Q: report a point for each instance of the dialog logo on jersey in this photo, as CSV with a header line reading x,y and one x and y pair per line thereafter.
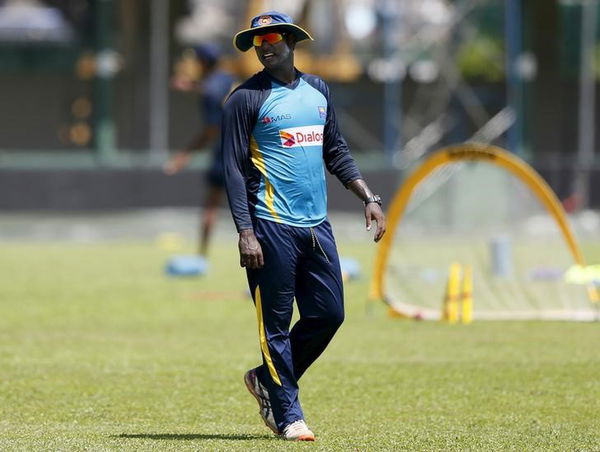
x,y
302,136
287,139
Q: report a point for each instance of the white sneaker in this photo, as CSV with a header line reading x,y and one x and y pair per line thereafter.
x,y
298,431
261,395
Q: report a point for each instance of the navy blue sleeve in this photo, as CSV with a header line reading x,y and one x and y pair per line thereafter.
x,y
239,117
336,154
211,110
215,91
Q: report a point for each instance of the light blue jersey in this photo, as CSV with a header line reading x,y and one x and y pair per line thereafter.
x,y
287,148
277,141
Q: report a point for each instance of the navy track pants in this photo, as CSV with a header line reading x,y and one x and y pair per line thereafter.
x,y
300,263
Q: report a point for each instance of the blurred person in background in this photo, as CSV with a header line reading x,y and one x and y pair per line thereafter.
x,y
212,88
279,134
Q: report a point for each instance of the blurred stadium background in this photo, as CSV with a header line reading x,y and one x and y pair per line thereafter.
x,y
101,350
88,117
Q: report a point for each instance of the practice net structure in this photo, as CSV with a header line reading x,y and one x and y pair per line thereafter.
x,y
475,224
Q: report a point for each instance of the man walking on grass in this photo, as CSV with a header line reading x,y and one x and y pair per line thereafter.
x,y
279,134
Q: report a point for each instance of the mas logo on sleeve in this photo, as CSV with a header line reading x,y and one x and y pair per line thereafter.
x,y
302,136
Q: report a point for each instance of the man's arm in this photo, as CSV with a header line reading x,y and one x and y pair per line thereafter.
x,y
339,162
373,210
211,104
200,142
238,120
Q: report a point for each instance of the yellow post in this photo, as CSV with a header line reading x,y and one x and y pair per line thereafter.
x,y
450,307
467,295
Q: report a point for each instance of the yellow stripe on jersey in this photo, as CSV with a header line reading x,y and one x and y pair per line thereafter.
x,y
263,338
259,162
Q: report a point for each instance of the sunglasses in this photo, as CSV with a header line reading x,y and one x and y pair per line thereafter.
x,y
271,38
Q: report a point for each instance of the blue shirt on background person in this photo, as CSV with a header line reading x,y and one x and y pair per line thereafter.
x,y
212,89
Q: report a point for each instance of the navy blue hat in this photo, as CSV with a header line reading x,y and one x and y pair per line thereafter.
x,y
263,23
208,52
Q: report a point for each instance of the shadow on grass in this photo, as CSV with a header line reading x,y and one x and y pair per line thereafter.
x,y
190,436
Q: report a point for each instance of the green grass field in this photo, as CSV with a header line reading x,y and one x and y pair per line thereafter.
x,y
99,350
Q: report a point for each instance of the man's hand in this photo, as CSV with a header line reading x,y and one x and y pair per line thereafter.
x,y
373,212
176,163
184,84
251,255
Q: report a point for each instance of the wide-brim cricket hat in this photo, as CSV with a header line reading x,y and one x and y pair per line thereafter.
x,y
271,20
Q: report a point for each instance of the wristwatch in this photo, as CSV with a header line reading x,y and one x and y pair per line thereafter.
x,y
374,198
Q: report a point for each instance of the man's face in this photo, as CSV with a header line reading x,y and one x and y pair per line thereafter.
x,y
274,55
